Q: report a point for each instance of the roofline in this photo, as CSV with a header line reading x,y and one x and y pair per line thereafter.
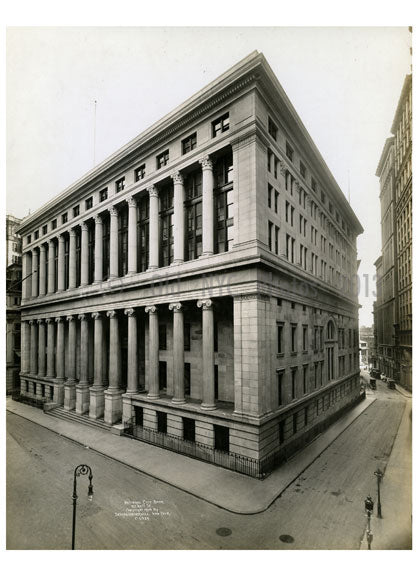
x,y
388,143
406,84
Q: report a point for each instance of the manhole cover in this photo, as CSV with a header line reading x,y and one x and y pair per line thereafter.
x,y
286,538
223,531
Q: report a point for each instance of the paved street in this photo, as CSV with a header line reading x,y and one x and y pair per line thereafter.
x,y
322,509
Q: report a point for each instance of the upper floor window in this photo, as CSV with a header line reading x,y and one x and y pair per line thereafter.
x,y
36,234
302,170
103,195
313,184
54,224
89,203
120,184
162,159
140,173
220,125
64,218
44,229
289,151
29,239
189,143
76,211
272,129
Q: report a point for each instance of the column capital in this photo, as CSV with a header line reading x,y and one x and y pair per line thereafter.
x,y
111,313
205,304
131,202
152,191
177,177
151,309
98,220
42,247
129,312
82,317
206,163
61,237
84,227
49,320
51,241
113,211
282,168
96,315
70,318
72,232
59,319
176,307
32,322
40,321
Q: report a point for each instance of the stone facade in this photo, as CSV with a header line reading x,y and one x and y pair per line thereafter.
x,y
13,298
197,286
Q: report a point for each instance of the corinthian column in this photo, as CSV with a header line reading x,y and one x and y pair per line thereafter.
x,y
153,228
153,348
207,205
113,394
42,270
82,387
98,250
96,408
51,267
132,237
50,369
33,347
132,352
84,276
179,194
208,400
178,352
41,348
69,389
113,265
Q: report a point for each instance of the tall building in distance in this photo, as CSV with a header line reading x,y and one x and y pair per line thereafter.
x,y
196,289
13,298
393,307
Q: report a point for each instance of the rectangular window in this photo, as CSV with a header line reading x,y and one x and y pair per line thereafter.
x,y
280,380
28,239
139,415
167,225
295,423
143,233
44,229
302,168
280,343
221,434
54,224
305,338
162,373
276,239
306,417
289,151
272,129
76,211
162,422
269,195
305,379
162,159
294,337
139,173
89,203
276,201
281,431
162,335
36,235
189,433
294,370
103,195
224,204
313,184
189,143
120,184
220,125
187,336
64,218
270,235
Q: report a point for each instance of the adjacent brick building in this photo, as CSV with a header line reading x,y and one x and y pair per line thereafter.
x,y
194,289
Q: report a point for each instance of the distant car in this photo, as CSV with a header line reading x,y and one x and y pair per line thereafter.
x,y
375,373
372,383
391,383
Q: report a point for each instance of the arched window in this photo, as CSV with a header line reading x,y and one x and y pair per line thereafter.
x,y
330,330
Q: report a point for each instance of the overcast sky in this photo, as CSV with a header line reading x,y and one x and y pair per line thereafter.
x,y
344,83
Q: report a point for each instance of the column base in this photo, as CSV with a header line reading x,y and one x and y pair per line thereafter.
x,y
152,268
96,408
112,406
131,273
178,401
153,396
177,262
59,393
204,254
69,396
82,400
204,406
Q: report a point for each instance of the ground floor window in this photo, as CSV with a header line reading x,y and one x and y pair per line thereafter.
x,y
162,375
139,415
162,422
221,438
189,429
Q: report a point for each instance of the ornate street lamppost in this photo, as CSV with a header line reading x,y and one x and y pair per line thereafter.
x,y
80,470
379,476
368,505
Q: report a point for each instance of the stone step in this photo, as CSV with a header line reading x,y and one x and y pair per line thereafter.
x,y
72,416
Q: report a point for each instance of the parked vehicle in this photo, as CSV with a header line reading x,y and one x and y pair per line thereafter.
x,y
375,373
372,383
391,383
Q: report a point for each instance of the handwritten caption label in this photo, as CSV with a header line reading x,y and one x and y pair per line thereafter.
x,y
143,510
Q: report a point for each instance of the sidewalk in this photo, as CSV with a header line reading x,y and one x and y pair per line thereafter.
x,y
394,530
224,488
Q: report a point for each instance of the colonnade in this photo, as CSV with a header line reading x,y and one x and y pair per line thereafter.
x,y
35,260
44,359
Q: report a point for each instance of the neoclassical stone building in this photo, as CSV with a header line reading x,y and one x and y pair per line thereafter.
x,y
194,289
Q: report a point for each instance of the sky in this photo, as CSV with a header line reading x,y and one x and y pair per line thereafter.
x,y
344,83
